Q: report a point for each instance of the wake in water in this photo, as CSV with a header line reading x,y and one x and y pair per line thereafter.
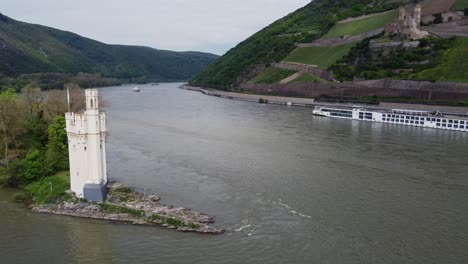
x,y
291,210
244,225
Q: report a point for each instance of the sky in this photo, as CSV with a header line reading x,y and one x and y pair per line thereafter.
x,y
212,26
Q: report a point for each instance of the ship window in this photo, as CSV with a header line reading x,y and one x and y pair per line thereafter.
x,y
450,121
444,121
455,126
449,125
406,121
462,122
438,120
438,124
444,125
412,122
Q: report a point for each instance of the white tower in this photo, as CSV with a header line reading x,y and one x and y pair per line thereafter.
x,y
87,150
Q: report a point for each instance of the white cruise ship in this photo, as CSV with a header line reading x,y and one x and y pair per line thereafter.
x,y
457,122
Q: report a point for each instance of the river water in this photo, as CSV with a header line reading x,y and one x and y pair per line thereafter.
x,y
287,186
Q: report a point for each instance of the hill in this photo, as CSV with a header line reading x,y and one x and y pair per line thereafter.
x,y
278,40
27,48
350,41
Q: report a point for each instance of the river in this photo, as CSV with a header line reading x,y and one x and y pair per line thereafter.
x,y
287,186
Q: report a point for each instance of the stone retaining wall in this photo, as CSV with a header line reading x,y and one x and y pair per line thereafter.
x,y
324,42
380,88
351,19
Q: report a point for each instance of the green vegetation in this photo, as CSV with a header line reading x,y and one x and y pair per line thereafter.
x,y
28,48
399,63
271,75
19,197
34,141
306,78
323,57
174,222
452,64
362,25
48,190
116,209
460,5
276,41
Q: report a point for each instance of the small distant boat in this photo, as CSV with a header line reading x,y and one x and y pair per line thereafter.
x,y
154,83
136,90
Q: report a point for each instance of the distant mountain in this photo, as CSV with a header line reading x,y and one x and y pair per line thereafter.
x,y
27,48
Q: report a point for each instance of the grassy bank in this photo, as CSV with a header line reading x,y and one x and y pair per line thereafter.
x,y
361,26
323,57
45,190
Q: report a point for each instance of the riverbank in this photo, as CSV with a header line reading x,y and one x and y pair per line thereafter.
x,y
126,205
310,102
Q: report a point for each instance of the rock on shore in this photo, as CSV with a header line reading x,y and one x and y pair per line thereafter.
x,y
127,205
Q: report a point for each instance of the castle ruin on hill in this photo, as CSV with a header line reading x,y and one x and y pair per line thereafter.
x,y
408,24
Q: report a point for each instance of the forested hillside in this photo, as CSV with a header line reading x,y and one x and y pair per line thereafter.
x,y
27,48
278,40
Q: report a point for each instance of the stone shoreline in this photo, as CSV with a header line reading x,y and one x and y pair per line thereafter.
x,y
126,205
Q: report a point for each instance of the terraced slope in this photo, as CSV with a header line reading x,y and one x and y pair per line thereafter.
x,y
361,25
271,75
323,57
306,78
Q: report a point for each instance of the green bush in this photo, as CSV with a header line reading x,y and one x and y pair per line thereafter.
x,y
19,197
30,169
174,222
438,19
48,190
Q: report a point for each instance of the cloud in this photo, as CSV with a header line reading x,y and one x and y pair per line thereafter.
x,y
205,25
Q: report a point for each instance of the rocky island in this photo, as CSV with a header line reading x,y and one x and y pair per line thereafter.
x,y
126,205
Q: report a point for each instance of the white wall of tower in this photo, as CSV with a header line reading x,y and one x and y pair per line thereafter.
x,y
87,144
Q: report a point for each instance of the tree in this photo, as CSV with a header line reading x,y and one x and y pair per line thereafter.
x,y
57,146
29,169
438,19
10,121
56,102
32,97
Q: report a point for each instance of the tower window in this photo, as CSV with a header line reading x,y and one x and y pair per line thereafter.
x,y
91,102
